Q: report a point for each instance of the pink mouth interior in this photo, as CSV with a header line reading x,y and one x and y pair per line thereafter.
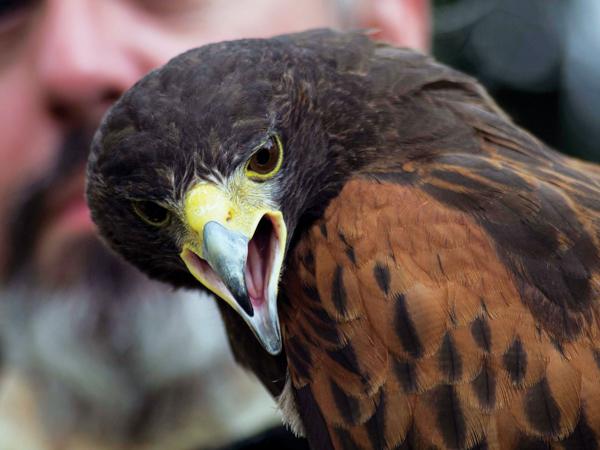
x,y
204,268
261,253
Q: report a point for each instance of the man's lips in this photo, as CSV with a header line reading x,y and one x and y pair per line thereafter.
x,y
75,215
66,208
64,220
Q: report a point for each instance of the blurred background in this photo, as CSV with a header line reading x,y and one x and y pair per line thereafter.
x,y
92,354
540,59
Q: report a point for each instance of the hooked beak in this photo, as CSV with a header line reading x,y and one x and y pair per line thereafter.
x,y
237,253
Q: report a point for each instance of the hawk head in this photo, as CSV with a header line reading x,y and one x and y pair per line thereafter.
x,y
206,169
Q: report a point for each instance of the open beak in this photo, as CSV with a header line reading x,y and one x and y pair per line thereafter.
x,y
237,252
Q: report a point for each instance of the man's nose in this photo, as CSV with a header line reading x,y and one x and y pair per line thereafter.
x,y
84,65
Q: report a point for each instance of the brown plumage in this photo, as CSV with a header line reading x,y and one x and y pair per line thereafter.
x,y
442,280
421,337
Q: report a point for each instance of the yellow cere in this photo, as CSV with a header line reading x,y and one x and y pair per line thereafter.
x,y
240,210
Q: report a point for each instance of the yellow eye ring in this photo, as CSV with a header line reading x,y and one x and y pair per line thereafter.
x,y
151,213
266,161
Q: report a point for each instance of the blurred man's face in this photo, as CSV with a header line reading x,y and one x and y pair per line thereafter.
x,y
63,62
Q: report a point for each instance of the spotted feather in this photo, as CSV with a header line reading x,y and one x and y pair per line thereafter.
x,y
443,344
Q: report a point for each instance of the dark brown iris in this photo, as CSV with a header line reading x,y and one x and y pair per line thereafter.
x,y
265,159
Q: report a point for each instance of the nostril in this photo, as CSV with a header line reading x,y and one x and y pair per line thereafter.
x,y
82,110
111,95
59,110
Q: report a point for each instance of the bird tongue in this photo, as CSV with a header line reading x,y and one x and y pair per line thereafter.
x,y
258,263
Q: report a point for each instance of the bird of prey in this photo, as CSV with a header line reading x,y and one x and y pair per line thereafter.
x,y
417,270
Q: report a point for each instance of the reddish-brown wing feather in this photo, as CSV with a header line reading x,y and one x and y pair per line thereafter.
x,y
405,327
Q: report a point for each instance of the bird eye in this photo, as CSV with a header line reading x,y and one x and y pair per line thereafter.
x,y
266,160
151,213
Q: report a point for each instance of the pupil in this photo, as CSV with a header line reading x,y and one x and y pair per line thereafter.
x,y
154,212
262,157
